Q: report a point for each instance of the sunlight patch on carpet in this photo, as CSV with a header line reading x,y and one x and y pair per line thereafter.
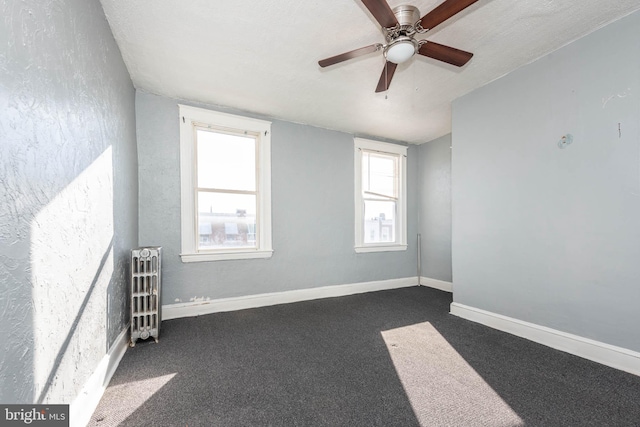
x,y
440,384
135,393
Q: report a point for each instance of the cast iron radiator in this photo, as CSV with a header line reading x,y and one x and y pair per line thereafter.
x,y
146,306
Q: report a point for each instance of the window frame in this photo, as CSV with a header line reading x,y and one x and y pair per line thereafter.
x,y
384,148
192,118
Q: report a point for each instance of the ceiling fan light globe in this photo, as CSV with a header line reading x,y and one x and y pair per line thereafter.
x,y
400,51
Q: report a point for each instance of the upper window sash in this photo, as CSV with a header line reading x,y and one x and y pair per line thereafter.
x,y
368,175
231,132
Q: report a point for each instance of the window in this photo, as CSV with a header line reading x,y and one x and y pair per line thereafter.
x,y
380,196
225,168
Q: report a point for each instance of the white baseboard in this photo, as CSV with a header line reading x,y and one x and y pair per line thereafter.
x,y
436,284
86,402
197,308
606,354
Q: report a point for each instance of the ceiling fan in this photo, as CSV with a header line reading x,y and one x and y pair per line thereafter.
x,y
400,26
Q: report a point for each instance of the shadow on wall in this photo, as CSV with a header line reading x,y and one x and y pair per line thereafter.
x,y
67,168
44,354
58,277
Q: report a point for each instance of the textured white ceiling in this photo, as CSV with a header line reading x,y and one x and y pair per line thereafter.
x,y
262,56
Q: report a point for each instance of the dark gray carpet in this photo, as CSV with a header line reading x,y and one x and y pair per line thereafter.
x,y
390,358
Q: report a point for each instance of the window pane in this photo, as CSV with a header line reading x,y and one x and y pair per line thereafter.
x,y
226,162
226,220
379,174
379,221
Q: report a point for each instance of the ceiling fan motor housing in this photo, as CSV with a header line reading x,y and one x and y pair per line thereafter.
x,y
401,45
406,15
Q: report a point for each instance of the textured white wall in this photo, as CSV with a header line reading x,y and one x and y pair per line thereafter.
x,y
549,235
68,196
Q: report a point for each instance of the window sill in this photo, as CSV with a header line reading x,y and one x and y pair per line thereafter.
x,y
380,248
226,256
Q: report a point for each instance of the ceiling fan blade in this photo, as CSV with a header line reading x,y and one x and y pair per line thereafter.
x,y
443,12
444,53
381,10
387,75
349,55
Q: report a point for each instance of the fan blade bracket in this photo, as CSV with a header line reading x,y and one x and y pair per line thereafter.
x,y
419,29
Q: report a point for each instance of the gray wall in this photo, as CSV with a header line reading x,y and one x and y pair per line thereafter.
x,y
312,210
68,202
550,235
434,160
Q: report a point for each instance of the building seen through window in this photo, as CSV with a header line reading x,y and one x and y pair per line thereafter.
x,y
227,190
